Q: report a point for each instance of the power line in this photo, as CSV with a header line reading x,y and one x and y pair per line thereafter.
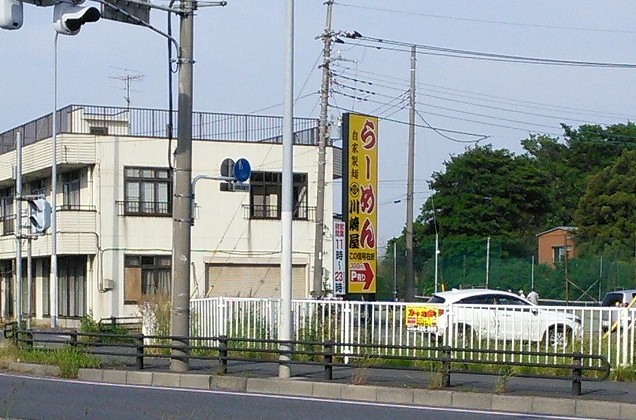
x,y
400,83
478,55
496,22
420,125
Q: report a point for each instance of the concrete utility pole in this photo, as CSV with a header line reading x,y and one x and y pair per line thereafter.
x,y
410,276
285,310
182,197
488,262
565,267
322,152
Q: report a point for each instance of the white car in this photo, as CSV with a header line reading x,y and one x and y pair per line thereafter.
x,y
497,315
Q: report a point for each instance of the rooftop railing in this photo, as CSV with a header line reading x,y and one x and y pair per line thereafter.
x,y
155,123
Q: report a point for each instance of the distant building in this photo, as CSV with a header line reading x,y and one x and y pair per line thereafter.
x,y
114,209
555,244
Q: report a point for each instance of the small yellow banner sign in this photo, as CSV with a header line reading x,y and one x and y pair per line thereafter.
x,y
422,318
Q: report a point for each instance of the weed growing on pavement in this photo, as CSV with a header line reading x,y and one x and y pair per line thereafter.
x,y
506,372
68,359
623,374
361,374
436,380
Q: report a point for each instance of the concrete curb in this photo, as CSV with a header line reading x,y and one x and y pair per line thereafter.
x,y
337,391
35,369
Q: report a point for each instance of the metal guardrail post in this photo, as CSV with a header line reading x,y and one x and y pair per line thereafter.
x,y
577,371
139,351
223,353
29,340
328,355
446,366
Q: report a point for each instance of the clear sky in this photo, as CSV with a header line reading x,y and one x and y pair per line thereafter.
x,y
239,68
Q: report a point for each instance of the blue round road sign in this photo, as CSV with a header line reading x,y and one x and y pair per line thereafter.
x,y
242,170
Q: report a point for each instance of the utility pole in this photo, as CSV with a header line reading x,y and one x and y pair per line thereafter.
x,y
395,293
565,267
488,262
182,197
322,152
410,277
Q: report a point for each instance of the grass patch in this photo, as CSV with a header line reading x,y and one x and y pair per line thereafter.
x,y
624,374
70,360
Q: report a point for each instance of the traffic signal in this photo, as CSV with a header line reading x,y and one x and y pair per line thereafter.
x,y
11,14
40,215
68,17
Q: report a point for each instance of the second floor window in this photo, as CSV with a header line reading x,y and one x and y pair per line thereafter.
x,y
38,188
71,184
266,195
6,211
147,191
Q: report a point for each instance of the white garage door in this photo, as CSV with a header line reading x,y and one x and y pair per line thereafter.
x,y
251,280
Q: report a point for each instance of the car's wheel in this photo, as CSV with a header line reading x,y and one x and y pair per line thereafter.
x,y
558,336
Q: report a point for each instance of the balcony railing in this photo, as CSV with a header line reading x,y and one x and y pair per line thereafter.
x,y
144,122
144,208
77,207
272,212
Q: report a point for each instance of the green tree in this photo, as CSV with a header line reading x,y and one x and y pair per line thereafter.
x,y
605,216
485,192
568,164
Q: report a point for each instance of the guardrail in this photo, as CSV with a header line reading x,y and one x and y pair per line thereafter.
x,y
328,354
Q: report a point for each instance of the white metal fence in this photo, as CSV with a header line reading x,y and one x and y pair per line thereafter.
x,y
506,328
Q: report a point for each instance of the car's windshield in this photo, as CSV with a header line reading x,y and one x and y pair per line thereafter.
x,y
613,299
436,299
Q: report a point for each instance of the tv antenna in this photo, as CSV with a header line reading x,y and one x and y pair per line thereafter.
x,y
128,80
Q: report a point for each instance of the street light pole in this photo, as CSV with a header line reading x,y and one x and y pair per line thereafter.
x,y
18,228
54,280
182,197
285,315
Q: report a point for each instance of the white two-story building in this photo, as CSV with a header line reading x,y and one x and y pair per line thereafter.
x,y
114,207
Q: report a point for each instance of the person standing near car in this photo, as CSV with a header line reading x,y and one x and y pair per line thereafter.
x,y
533,297
521,294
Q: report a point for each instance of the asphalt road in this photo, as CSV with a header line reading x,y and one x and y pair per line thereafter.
x,y
25,397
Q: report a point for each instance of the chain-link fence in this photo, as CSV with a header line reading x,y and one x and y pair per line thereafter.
x,y
504,264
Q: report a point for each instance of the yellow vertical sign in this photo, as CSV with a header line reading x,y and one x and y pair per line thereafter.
x,y
361,206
